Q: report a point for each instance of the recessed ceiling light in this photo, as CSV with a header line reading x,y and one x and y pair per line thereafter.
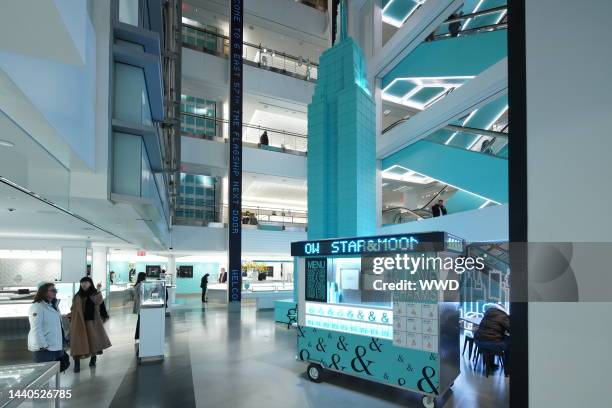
x,y
387,111
6,143
12,198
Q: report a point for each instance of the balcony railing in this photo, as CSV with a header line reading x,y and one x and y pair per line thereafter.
x,y
264,218
279,140
256,55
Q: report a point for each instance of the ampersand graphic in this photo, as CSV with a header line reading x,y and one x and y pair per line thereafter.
x,y
372,317
304,354
401,382
385,318
320,345
364,366
433,357
386,376
427,379
360,315
341,343
335,359
291,316
300,331
400,358
375,344
409,368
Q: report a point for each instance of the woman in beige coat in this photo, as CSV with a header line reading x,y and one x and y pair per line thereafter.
x,y
87,315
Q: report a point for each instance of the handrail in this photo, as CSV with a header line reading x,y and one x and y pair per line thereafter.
x,y
490,27
225,37
247,125
476,14
423,208
255,55
456,128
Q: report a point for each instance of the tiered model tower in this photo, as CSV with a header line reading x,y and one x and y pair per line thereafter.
x,y
341,145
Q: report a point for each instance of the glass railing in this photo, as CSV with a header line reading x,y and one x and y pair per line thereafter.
x,y
278,140
263,218
257,55
471,23
491,142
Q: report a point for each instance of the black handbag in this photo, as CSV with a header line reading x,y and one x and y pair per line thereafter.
x,y
64,361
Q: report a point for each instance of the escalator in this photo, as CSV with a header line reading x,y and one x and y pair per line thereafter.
x,y
469,155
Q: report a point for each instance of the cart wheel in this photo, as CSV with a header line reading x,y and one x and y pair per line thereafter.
x,y
314,372
429,401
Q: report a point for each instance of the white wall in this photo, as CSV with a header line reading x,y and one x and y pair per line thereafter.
x,y
199,239
568,146
213,71
487,224
199,154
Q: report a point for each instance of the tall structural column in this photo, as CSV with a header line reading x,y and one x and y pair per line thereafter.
x,y
341,143
234,191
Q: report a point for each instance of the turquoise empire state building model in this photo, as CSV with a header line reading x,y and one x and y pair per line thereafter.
x,y
341,145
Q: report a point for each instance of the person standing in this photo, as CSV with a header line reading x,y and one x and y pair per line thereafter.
x,y
263,139
87,316
204,286
45,338
438,209
136,309
222,276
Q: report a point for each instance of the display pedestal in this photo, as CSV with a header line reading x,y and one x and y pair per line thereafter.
x,y
171,298
152,332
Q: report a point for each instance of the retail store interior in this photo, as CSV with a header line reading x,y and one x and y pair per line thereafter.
x,y
202,222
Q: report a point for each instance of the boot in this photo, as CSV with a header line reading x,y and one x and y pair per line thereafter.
x,y
77,365
92,361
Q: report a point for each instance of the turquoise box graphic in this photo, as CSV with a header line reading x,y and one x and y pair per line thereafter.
x,y
371,358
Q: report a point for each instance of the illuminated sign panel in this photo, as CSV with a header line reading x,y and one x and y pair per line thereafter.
x,y
422,242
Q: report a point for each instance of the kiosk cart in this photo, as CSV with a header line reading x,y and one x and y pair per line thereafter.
x,y
404,338
152,319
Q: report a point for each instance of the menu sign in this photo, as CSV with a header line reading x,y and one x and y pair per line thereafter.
x,y
316,280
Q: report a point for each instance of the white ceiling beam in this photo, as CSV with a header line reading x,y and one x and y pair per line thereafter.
x,y
425,20
488,86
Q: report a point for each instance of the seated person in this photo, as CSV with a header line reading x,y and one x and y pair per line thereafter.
x,y
493,331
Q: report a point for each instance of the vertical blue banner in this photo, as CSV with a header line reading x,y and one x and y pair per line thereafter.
x,y
234,277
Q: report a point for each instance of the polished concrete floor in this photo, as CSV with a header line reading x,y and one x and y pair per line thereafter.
x,y
216,359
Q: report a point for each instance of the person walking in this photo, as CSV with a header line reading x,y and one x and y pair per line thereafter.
x,y
45,338
136,309
204,286
87,317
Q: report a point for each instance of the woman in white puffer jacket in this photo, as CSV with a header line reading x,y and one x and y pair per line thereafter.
x,y
45,339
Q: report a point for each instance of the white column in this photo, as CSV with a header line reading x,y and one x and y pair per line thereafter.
x,y
99,266
171,267
74,263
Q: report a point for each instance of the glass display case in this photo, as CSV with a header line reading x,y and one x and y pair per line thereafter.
x,y
21,383
152,293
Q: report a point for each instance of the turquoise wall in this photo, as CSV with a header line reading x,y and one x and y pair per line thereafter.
x,y
186,286
183,285
462,56
463,201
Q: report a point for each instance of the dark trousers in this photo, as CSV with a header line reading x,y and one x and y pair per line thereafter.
x,y
43,356
137,335
502,346
203,294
